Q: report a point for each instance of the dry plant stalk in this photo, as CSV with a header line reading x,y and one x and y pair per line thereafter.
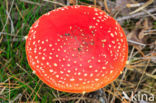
x,y
143,6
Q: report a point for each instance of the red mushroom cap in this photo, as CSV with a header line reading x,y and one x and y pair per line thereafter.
x,y
76,49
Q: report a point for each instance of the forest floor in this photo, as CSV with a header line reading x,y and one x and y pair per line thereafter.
x,y
18,84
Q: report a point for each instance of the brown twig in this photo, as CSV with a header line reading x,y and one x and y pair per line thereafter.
x,y
143,6
55,2
31,2
106,6
140,14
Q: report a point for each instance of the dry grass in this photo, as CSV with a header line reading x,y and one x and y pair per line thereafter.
x,y
19,84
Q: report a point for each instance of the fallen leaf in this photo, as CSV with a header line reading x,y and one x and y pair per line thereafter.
x,y
72,2
138,34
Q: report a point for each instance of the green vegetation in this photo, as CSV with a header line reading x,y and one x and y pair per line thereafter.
x,y
19,84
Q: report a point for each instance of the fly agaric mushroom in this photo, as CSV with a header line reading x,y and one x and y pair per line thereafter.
x,y
76,49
